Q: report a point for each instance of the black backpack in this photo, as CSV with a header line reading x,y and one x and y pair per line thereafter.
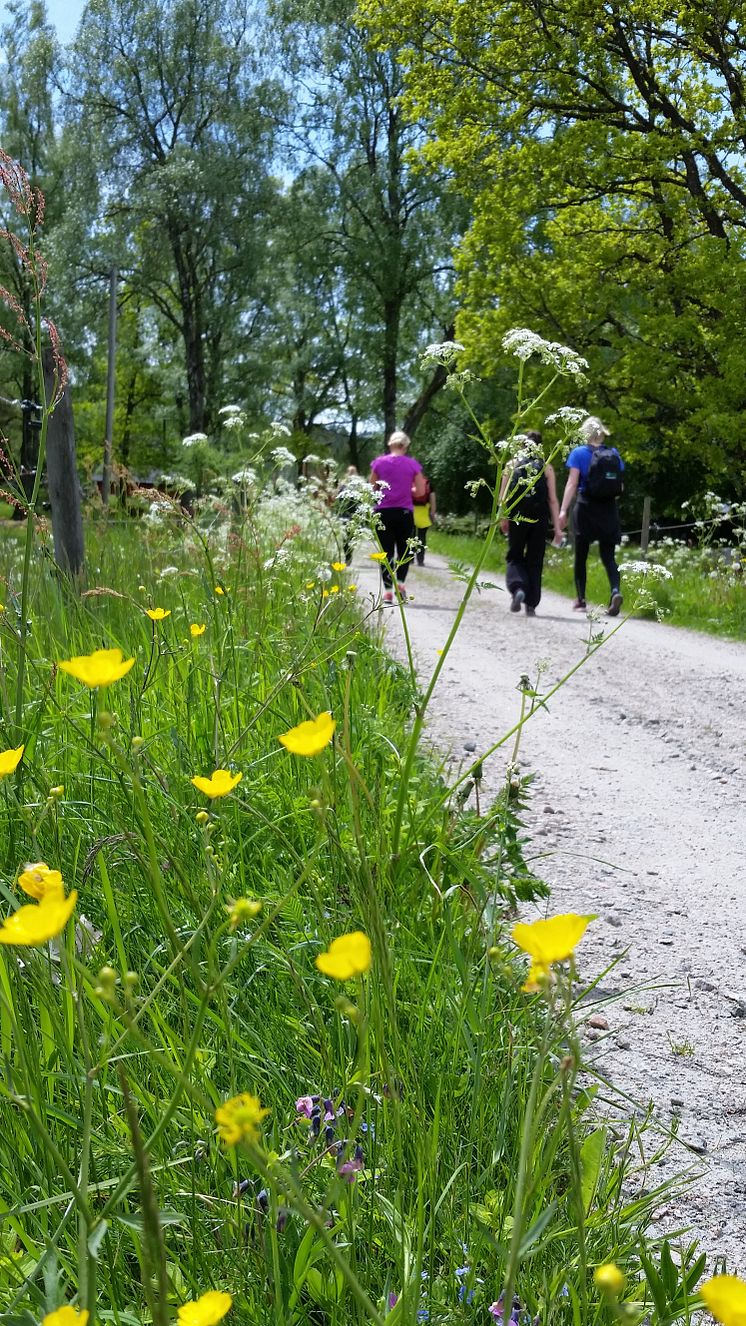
x,y
529,475
604,478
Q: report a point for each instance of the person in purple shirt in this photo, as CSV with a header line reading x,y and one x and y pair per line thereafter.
x,y
404,480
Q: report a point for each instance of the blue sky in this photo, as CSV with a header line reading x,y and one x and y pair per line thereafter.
x,y
65,14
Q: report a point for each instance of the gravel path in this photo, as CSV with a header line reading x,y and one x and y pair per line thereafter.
x,y
638,814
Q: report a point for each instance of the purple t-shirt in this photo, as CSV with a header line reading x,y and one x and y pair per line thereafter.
x,y
398,472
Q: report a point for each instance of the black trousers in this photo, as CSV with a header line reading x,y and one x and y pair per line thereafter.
x,y
395,530
421,536
596,521
527,541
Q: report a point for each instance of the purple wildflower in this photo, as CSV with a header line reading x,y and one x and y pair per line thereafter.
x,y
304,1106
393,1299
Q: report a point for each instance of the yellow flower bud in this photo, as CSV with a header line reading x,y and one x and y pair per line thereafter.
x,y
202,816
609,1279
137,742
58,791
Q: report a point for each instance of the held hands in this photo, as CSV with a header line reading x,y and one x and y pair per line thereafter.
x,y
562,521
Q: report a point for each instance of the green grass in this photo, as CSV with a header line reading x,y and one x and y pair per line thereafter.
x,y
118,1044
703,594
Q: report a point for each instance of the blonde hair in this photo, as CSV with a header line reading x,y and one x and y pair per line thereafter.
x,y
399,439
593,430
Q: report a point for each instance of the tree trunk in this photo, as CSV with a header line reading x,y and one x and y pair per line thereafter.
x,y
353,445
62,479
419,408
391,317
191,328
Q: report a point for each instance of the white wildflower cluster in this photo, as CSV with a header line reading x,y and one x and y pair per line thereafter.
x,y
322,573
194,440
167,572
311,459
247,477
280,558
282,456
474,485
461,379
443,352
179,482
279,430
524,343
567,416
235,421
648,570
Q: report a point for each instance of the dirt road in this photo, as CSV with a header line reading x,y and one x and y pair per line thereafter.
x,y
638,814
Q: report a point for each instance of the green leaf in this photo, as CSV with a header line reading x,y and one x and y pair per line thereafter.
x,y
591,1155
96,1237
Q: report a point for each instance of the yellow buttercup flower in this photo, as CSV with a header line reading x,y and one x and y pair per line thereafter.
x,y
377,557
243,910
100,668
310,584
351,589
549,941
219,591
66,1316
219,784
325,593
10,760
334,589
348,956
239,1119
39,882
339,566
311,737
725,1297
609,1279
195,630
157,614
205,1311
36,925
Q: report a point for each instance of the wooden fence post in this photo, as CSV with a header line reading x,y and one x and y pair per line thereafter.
x,y
62,479
645,532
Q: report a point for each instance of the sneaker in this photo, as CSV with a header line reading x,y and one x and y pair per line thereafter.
x,y
388,597
530,612
402,593
517,601
579,605
615,604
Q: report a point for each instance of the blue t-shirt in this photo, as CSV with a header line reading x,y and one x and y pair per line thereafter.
x,y
580,459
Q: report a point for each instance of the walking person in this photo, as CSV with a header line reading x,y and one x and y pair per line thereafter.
x,y
531,513
424,516
596,477
402,476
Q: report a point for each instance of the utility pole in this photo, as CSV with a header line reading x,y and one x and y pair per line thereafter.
x,y
110,383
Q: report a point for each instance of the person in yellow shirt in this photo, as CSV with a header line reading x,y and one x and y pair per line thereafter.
x,y
424,515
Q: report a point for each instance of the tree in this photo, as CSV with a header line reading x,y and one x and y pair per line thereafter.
x,y
388,227
601,150
31,56
168,103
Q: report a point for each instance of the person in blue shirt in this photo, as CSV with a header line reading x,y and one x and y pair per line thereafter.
x,y
595,476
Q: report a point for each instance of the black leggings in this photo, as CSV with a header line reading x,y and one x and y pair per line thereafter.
x,y
596,521
395,530
421,536
527,541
